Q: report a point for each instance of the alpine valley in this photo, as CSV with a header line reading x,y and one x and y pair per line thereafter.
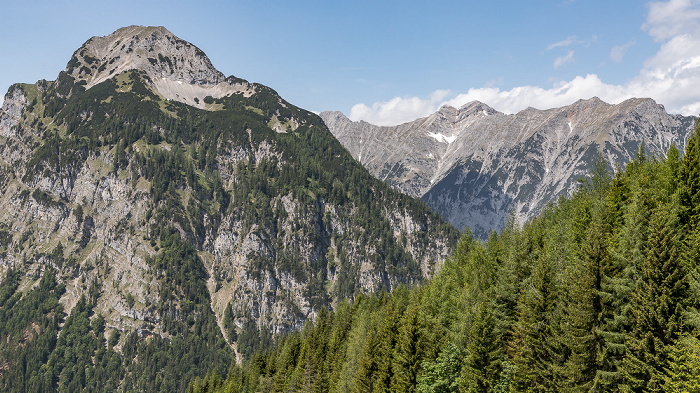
x,y
160,220
477,166
166,228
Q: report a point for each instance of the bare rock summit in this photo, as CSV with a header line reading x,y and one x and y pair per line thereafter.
x,y
177,69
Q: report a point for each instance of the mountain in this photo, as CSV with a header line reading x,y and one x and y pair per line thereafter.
x,y
476,166
159,219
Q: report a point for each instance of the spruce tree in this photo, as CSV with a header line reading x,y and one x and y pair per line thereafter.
x,y
386,341
482,364
407,353
628,205
531,346
689,188
587,305
657,311
368,365
582,310
511,270
683,372
442,374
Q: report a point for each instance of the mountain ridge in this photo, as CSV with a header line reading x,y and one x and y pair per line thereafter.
x,y
440,154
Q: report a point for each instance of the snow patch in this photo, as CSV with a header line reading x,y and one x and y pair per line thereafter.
x,y
571,127
484,112
442,138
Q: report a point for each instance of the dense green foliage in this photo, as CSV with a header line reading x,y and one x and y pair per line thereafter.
x,y
599,293
39,357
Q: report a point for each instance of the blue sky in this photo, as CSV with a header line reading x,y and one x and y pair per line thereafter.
x,y
392,61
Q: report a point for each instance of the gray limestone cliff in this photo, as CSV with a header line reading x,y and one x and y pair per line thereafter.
x,y
476,166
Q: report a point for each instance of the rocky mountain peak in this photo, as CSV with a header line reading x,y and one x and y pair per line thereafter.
x,y
447,110
475,107
591,101
178,70
470,111
154,50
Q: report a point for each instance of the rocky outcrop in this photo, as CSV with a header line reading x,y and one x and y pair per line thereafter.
x,y
154,50
177,69
476,166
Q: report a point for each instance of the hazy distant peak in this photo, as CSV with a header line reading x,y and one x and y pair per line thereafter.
x,y
477,107
476,166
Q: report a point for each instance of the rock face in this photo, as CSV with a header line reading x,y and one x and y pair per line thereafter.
x,y
475,165
178,70
154,50
277,237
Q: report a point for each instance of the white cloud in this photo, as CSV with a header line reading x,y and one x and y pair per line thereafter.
x,y
618,52
519,98
397,110
675,17
560,61
567,42
671,77
572,40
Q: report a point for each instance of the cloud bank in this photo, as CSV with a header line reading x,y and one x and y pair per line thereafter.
x,y
671,76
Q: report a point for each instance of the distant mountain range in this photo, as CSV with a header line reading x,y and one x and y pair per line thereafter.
x,y
476,166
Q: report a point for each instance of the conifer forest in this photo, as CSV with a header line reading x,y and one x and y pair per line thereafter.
x,y
598,294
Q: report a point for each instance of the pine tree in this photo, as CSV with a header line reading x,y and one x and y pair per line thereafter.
x,y
482,369
582,310
315,377
337,348
287,358
657,308
386,341
689,188
531,346
683,372
229,324
368,365
671,170
442,374
407,353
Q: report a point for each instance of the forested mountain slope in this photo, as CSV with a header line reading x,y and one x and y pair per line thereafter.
x,y
158,218
598,293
